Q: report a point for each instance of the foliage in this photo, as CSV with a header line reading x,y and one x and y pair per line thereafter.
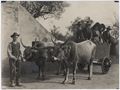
x,y
116,24
57,34
78,25
45,9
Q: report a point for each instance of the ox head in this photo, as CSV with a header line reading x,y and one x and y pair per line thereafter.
x,y
60,48
27,53
57,47
64,52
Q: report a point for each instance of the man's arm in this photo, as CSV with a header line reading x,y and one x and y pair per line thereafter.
x,y
20,50
20,58
9,52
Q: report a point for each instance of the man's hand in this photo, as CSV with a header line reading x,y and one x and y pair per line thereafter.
x,y
21,59
14,58
55,58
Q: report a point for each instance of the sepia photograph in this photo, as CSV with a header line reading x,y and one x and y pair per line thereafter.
x,y
60,44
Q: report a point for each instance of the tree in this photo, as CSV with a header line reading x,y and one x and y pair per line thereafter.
x,y
57,34
45,9
79,28
116,23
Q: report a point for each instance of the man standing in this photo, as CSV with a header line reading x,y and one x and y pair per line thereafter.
x,y
15,57
114,44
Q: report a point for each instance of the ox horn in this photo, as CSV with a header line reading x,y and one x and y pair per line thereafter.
x,y
53,41
65,42
22,43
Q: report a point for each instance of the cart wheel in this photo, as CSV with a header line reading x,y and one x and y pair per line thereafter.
x,y
106,64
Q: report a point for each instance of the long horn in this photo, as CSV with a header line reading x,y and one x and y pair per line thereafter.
x,y
22,43
53,41
65,42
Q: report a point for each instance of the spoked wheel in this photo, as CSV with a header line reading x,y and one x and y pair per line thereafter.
x,y
106,64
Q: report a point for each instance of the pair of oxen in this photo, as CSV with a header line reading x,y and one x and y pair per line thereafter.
x,y
68,52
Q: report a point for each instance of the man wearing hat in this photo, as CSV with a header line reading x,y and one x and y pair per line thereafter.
x,y
14,54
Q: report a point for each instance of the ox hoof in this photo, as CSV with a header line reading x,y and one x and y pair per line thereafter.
x,y
64,82
57,73
63,75
38,78
43,78
73,82
89,78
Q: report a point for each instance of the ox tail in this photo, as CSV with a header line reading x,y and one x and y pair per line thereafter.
x,y
91,35
93,53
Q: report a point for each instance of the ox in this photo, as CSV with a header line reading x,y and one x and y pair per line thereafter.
x,y
57,47
37,54
74,53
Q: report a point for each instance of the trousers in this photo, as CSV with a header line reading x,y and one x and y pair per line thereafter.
x,y
14,71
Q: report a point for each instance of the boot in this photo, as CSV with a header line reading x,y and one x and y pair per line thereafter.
x,y
12,84
18,84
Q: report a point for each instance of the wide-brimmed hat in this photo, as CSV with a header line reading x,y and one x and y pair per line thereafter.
x,y
114,28
109,28
15,34
87,18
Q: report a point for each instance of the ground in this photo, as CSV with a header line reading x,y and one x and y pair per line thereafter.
x,y
99,80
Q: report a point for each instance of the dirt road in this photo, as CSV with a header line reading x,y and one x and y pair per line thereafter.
x,y
109,80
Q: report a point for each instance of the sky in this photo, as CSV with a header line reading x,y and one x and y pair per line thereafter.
x,y
98,11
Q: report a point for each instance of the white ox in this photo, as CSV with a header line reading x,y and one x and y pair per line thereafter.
x,y
74,53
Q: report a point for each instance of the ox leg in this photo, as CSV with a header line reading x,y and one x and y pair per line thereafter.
x,y
63,69
43,70
74,72
66,74
59,68
90,70
38,77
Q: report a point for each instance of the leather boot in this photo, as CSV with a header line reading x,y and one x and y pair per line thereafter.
x,y
18,83
12,84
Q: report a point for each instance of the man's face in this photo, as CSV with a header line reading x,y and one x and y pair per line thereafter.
x,y
15,38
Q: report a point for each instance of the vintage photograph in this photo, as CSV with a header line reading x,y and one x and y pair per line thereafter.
x,y
60,44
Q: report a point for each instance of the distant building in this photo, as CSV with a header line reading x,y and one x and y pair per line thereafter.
x,y
17,18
